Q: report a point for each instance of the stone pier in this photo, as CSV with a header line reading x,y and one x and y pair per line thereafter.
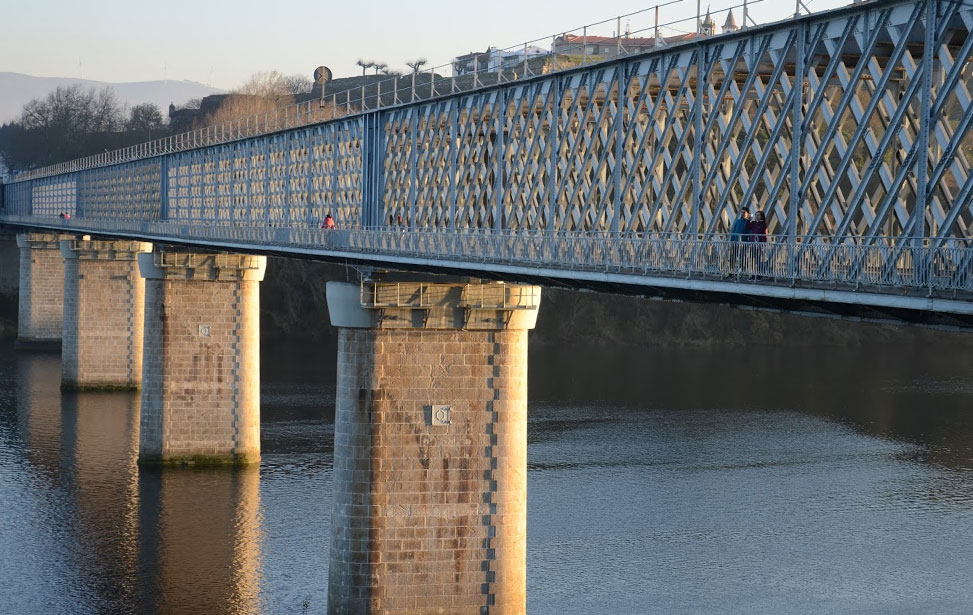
x,y
104,303
41,303
430,456
201,359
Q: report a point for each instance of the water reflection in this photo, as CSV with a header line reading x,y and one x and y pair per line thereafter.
x,y
200,540
661,480
39,407
99,448
82,521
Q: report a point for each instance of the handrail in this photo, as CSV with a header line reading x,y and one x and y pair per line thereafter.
x,y
890,265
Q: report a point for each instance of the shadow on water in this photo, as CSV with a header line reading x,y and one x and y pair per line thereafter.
x,y
917,395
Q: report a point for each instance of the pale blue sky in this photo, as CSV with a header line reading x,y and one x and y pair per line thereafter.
x,y
222,42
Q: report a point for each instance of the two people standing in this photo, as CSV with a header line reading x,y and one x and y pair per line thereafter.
x,y
745,230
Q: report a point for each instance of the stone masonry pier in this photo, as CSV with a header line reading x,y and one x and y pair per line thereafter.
x,y
104,303
41,303
201,361
430,457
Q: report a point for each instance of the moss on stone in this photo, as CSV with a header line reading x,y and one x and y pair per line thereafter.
x,y
95,387
199,460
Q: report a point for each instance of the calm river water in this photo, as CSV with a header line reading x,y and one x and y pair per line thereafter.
x,y
660,481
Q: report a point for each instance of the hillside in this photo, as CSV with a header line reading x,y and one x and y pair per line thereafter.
x,y
17,89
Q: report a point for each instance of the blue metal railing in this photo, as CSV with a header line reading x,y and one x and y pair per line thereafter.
x,y
884,264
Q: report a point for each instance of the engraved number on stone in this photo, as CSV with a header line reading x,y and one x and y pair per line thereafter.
x,y
203,330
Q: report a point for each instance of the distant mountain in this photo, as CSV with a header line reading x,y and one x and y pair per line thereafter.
x,y
17,89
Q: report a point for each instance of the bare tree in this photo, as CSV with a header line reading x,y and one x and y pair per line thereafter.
x,y
262,93
417,64
74,109
68,123
298,84
379,66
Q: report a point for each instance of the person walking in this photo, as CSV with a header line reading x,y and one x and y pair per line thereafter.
x,y
328,223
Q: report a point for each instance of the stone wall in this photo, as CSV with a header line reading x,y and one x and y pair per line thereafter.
x,y
430,517
41,304
201,366
104,303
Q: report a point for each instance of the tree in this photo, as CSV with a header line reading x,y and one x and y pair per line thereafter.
x,y
144,118
264,94
70,122
417,64
365,65
298,84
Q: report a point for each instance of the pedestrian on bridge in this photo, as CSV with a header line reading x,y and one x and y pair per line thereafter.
x,y
758,228
738,234
328,223
757,231
740,225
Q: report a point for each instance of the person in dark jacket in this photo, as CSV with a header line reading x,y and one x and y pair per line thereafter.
x,y
758,235
739,228
738,233
758,228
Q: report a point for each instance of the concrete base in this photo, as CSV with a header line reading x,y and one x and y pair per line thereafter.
x,y
201,359
104,304
430,457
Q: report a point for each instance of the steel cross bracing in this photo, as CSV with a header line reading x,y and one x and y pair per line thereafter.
x,y
850,129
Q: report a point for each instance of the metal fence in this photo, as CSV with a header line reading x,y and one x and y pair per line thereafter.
x,y
882,264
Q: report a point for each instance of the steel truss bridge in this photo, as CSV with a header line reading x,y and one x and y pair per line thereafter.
x,y
850,128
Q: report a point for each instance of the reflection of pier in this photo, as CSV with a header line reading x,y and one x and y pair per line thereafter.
x,y
39,407
199,540
170,542
85,445
99,441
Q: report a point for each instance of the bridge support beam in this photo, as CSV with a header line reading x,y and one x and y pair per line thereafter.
x,y
201,359
41,302
430,457
104,303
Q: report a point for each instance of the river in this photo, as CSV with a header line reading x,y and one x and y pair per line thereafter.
x,y
660,480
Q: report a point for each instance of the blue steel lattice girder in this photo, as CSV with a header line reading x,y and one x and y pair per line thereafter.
x,y
641,144
863,117
951,177
744,117
527,124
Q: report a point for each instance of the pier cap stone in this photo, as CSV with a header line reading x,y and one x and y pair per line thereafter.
x,y
202,267
41,241
476,305
88,249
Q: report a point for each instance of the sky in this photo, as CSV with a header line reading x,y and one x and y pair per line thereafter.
x,y
222,42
